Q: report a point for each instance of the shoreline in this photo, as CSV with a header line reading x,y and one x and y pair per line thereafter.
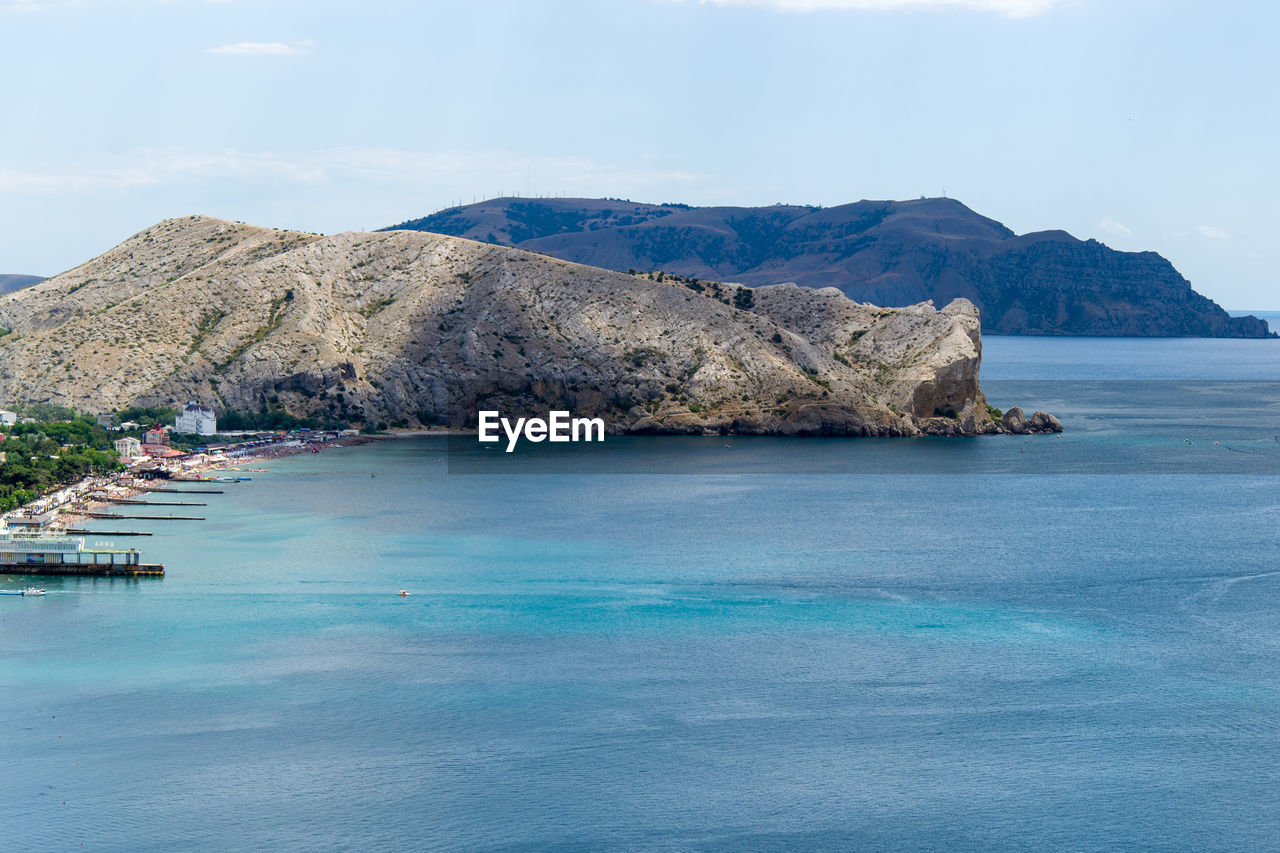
x,y
70,505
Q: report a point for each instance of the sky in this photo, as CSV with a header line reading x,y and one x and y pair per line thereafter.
x,y
1146,124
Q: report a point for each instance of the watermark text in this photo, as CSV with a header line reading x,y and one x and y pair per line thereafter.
x,y
559,426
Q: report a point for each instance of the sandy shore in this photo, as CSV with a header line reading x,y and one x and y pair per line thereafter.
x,y
85,495
69,504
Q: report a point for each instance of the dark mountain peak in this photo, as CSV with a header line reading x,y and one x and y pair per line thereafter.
x,y
885,252
944,217
511,221
1052,235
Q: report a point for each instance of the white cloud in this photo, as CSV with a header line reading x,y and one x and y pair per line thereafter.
x,y
154,168
1213,232
1115,229
45,4
1012,8
510,168
264,48
480,171
89,179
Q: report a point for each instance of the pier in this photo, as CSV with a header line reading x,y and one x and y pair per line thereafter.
x,y
75,531
117,517
189,491
133,502
95,570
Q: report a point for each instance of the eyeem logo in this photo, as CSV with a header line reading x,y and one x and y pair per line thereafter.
x,y
559,426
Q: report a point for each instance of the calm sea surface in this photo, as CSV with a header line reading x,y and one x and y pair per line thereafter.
x,y
1060,643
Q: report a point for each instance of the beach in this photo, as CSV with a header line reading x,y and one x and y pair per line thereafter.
x,y
68,505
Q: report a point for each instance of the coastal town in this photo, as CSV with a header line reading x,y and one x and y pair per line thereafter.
x,y
45,533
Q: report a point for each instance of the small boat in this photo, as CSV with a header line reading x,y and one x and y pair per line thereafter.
x,y
404,593
33,590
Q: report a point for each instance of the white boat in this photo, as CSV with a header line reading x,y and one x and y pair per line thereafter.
x,y
33,590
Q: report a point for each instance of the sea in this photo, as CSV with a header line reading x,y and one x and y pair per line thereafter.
x,y
723,644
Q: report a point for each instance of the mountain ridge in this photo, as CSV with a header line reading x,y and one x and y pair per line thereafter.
x,y
891,253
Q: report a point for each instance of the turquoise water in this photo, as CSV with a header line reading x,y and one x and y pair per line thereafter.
x,y
1080,655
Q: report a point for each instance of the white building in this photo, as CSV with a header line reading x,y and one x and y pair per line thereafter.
x,y
7,417
129,448
195,419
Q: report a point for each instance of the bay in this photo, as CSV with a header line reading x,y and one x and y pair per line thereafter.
x,y
964,657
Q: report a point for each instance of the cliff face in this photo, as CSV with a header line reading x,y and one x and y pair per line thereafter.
x,y
416,328
884,252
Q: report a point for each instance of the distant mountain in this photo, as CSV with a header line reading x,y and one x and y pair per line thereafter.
x,y
10,283
891,253
416,329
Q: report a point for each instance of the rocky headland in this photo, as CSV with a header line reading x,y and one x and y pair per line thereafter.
x,y
411,329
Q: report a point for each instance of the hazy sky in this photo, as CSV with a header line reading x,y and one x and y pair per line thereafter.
x,y
1148,124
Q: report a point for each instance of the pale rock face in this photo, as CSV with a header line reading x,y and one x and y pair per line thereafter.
x,y
1015,420
1044,422
416,328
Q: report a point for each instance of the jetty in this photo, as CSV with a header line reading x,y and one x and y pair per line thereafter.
x,y
189,491
75,531
118,517
43,552
94,570
135,502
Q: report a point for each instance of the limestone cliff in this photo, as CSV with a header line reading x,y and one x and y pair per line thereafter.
x,y
416,328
